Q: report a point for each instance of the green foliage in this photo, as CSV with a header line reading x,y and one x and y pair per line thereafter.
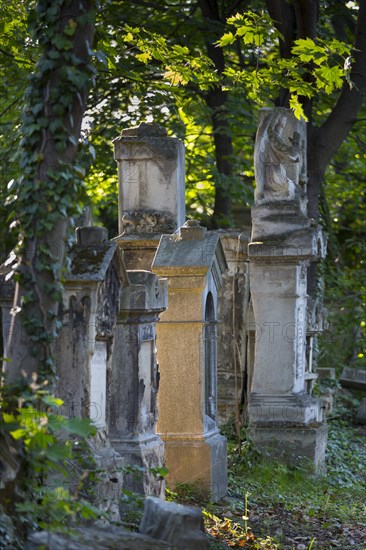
x,y
336,496
179,65
17,58
344,270
326,61
50,445
260,485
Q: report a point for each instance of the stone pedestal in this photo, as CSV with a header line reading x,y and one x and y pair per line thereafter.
x,y
151,194
193,262
285,419
280,402
135,380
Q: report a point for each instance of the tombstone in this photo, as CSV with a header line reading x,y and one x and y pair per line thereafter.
x,y
361,412
193,262
232,343
134,381
285,419
174,523
353,378
89,316
326,373
151,196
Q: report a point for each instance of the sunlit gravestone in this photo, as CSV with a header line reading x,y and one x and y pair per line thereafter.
x,y
285,419
193,262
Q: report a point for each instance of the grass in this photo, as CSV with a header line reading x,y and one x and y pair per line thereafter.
x,y
270,504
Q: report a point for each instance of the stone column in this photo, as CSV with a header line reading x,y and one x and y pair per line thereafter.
x,y
233,304
193,262
151,196
284,418
135,380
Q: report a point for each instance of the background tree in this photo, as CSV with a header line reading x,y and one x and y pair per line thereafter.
x,y
135,84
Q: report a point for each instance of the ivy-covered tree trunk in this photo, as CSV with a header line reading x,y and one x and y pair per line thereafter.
x,y
43,197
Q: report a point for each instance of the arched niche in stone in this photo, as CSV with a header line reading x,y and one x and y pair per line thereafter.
x,y
210,363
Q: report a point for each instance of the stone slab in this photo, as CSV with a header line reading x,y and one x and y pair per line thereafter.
x,y
272,410
353,378
293,444
174,523
176,255
89,262
87,538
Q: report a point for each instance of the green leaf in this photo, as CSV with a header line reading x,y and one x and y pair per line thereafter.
x,y
58,452
80,426
297,108
62,42
226,39
52,401
144,57
19,434
329,78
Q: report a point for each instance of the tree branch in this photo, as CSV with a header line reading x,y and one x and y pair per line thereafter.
x,y
283,15
343,117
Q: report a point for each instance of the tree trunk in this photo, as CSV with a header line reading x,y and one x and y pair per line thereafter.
x,y
31,347
216,100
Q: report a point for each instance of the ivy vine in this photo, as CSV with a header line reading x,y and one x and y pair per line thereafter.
x,y
44,195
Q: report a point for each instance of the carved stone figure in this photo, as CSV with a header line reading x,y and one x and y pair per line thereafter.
x,y
147,221
279,155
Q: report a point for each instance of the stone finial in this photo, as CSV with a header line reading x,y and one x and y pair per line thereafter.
x,y
85,218
192,231
91,236
145,129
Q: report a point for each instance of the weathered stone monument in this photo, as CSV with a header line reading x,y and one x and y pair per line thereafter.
x,y
152,202
134,381
107,367
193,262
234,365
89,316
284,418
151,197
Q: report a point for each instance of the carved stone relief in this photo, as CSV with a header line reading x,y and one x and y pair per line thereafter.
x,y
279,156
